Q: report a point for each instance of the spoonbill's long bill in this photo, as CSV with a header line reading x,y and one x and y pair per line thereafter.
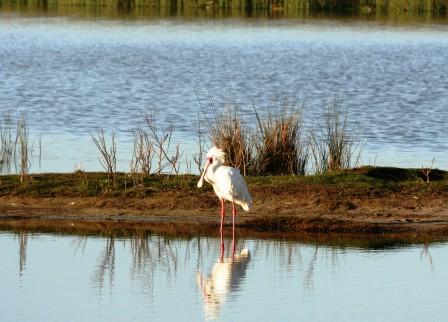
x,y
228,184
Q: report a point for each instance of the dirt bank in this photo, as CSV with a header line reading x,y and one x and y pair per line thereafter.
x,y
360,201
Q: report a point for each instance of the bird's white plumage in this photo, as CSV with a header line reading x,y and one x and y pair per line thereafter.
x,y
230,185
227,182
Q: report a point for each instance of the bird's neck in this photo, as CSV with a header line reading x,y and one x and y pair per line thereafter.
x,y
211,172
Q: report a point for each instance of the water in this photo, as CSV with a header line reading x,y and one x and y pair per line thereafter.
x,y
72,76
54,277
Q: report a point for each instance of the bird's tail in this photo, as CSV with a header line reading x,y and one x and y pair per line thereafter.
x,y
246,206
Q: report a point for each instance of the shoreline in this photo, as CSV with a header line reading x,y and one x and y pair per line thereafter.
x,y
128,229
366,201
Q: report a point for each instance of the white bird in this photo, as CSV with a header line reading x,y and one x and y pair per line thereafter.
x,y
227,183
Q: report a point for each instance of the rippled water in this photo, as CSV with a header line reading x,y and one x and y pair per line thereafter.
x,y
73,76
53,277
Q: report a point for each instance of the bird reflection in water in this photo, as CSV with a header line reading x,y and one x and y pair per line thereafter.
x,y
225,277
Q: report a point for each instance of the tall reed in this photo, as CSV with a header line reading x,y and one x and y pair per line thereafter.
x,y
279,146
7,145
24,150
198,157
142,157
336,144
108,153
16,150
229,132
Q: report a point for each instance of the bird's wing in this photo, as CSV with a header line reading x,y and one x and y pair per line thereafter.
x,y
238,186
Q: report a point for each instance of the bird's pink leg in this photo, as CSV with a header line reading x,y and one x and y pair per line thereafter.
x,y
221,229
233,229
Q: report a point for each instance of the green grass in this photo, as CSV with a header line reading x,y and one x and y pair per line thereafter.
x,y
370,180
92,184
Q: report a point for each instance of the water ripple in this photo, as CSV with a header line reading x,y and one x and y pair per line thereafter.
x,y
71,77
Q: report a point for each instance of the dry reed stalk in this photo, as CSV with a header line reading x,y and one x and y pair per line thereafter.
x,y
143,154
108,158
188,165
198,157
40,152
426,171
22,143
162,142
8,145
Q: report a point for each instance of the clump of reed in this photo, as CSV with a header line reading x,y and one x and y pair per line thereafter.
x,y
143,154
229,132
335,144
278,144
274,143
279,147
8,144
15,147
274,146
153,152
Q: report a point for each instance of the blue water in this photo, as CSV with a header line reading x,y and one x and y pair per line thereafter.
x,y
53,277
72,76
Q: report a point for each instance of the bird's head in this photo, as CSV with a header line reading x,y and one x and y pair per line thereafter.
x,y
214,156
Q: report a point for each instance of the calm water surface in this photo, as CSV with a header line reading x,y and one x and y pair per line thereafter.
x,y
73,76
53,277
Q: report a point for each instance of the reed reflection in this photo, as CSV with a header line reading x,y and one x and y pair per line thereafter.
x,y
225,277
426,254
148,255
23,242
106,264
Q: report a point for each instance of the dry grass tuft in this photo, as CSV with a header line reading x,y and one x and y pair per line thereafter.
x,y
279,147
336,144
228,132
272,147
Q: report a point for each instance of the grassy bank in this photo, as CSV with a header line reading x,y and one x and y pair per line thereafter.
x,y
365,180
367,200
